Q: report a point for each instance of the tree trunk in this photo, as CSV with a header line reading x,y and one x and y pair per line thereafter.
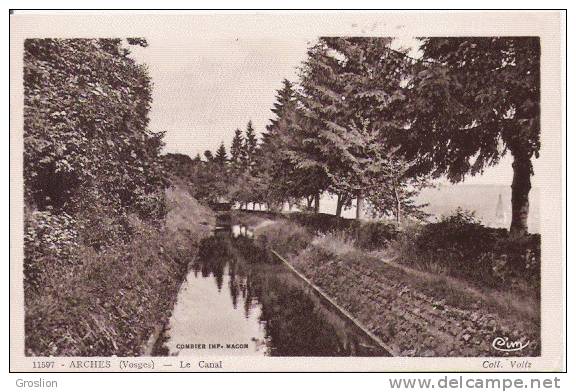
x,y
317,203
309,201
339,205
359,204
398,206
522,168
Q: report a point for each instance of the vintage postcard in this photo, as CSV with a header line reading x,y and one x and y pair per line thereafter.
x,y
286,191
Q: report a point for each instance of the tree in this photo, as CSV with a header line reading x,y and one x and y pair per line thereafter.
x,y
352,94
178,165
236,149
397,197
320,150
250,144
276,168
376,77
221,155
204,180
208,155
473,100
283,109
208,181
86,136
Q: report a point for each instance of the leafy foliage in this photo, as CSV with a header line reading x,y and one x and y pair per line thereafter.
x,y
48,238
89,159
106,303
285,174
365,235
94,202
472,100
204,180
354,92
460,246
85,126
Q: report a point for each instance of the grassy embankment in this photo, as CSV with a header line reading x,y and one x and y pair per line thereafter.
x,y
110,302
420,300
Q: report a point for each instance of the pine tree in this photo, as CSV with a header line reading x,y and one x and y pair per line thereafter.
x,y
276,169
250,144
283,109
381,100
236,148
326,101
221,155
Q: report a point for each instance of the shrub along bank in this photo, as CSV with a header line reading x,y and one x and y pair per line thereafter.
x,y
446,304
105,243
459,245
109,301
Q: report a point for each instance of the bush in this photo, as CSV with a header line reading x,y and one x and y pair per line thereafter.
x,y
322,223
457,241
107,301
461,246
516,261
366,235
374,235
99,139
48,239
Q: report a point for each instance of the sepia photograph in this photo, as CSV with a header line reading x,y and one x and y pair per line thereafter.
x,y
202,188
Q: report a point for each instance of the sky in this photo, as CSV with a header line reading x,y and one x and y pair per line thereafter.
x,y
204,90
205,85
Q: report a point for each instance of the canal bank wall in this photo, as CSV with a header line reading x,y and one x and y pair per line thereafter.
x,y
404,309
386,349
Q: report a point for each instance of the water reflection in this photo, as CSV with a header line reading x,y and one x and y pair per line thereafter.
x,y
239,300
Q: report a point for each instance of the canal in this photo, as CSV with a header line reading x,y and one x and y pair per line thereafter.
x,y
239,299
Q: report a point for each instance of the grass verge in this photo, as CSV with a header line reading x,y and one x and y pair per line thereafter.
x,y
417,313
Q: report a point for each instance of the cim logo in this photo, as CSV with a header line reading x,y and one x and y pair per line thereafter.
x,y
505,344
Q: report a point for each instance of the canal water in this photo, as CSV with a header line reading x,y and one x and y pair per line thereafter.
x,y
239,299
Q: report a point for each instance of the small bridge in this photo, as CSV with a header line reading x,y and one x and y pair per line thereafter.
x,y
222,209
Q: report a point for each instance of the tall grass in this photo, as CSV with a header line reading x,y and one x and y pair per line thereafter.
x,y
365,235
285,237
335,243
